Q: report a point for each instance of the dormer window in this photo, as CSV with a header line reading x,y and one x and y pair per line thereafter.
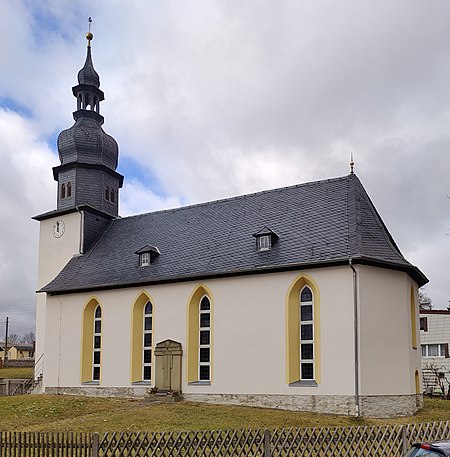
x,y
147,255
264,243
144,259
265,239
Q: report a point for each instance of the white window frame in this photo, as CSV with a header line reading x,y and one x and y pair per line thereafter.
x,y
425,348
99,349
200,345
264,243
303,341
144,259
144,347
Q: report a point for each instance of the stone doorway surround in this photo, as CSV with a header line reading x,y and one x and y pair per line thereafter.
x,y
168,366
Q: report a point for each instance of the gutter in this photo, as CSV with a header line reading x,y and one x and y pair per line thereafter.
x,y
81,247
355,336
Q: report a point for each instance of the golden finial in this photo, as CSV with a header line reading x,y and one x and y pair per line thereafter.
x,y
89,35
352,163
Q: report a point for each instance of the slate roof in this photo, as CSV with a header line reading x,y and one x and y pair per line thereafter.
x,y
319,223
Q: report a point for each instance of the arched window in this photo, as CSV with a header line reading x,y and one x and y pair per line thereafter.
x,y
306,334
106,193
96,358
142,325
204,356
113,196
303,333
63,191
200,337
417,381
147,343
69,189
413,319
91,351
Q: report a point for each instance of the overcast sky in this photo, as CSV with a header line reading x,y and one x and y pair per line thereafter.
x,y
211,99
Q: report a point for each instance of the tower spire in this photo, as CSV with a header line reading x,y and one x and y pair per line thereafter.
x,y
89,35
352,163
88,155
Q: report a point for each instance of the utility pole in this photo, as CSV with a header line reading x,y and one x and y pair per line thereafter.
x,y
5,358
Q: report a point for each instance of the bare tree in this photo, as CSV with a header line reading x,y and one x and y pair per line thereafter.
x,y
424,299
29,338
433,375
13,338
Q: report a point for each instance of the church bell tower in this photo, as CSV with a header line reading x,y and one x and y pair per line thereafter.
x,y
88,183
89,156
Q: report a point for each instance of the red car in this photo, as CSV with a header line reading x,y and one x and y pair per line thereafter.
x,y
435,449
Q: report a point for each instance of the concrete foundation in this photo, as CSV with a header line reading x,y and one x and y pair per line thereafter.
x,y
370,406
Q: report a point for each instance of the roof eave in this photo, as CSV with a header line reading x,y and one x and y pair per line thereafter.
x,y
412,271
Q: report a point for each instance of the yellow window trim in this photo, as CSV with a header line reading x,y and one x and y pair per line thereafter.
x,y
87,338
136,344
192,332
413,319
293,328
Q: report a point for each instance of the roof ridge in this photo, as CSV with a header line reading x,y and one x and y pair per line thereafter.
x,y
238,197
383,228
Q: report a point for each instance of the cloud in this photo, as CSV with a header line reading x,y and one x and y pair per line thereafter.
x,y
27,188
215,99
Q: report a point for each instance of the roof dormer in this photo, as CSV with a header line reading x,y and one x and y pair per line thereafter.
x,y
265,239
147,255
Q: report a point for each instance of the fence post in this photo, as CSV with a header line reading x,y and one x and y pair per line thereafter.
x,y
267,452
404,441
95,442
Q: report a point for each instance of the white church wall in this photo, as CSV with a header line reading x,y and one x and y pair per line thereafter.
x,y
388,359
54,253
249,332
249,341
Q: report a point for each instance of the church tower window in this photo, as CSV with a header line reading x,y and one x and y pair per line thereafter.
x,y
107,193
69,189
63,191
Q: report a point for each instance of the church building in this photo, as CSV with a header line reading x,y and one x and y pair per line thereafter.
x,y
295,298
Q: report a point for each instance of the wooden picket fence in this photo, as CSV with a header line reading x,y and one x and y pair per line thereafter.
x,y
293,442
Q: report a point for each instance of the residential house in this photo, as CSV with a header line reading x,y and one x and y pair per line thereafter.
x,y
434,342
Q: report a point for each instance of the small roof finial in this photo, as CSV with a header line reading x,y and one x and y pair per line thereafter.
x,y
352,163
89,35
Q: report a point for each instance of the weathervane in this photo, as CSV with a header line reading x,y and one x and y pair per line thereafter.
x,y
352,163
89,35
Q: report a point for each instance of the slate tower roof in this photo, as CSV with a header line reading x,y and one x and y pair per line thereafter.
x,y
89,156
317,224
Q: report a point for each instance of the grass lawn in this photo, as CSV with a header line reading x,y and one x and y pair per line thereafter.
x,y
16,373
88,414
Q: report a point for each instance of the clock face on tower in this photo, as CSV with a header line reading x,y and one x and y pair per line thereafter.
x,y
58,229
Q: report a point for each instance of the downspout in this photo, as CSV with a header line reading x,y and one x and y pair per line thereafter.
x,y
355,335
81,247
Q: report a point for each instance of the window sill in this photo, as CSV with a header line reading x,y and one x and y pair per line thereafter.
x,y
310,383
141,383
90,383
199,383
